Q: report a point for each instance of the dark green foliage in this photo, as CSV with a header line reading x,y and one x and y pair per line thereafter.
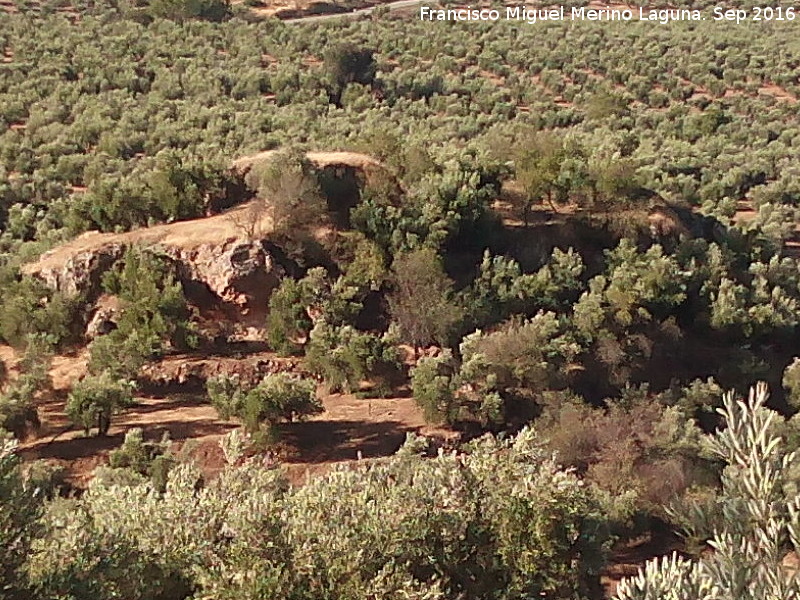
x,y
30,307
434,384
501,290
344,357
444,207
499,375
275,398
288,322
95,399
345,64
169,190
146,458
20,507
180,10
18,413
154,314
295,302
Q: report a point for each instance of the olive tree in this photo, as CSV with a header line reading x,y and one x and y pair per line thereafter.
x,y
96,398
277,397
20,507
422,302
750,527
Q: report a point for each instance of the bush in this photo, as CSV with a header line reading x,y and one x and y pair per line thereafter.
x,y
345,63
95,399
433,383
500,521
180,10
750,524
422,302
148,459
47,478
345,357
154,315
20,507
640,456
275,398
288,322
29,307
297,304
153,306
289,195
18,413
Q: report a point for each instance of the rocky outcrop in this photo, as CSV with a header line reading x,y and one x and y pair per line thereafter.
x,y
221,259
182,371
239,272
233,270
81,272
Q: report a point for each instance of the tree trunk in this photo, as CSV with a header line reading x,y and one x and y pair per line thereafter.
x,y
103,423
550,201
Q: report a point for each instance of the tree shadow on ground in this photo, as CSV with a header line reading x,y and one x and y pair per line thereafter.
x,y
324,441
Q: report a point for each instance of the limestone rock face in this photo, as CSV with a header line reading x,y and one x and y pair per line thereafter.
x,y
234,273
100,324
81,272
104,318
238,272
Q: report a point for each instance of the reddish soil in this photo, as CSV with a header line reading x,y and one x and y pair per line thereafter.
x,y
349,429
778,93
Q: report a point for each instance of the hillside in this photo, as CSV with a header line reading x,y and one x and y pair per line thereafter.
x,y
343,305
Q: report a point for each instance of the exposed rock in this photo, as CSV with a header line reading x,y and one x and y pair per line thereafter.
x,y
81,272
101,323
221,265
239,272
235,272
179,371
104,318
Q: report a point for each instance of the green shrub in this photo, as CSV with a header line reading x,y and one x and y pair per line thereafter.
x,y
345,357
149,459
180,10
18,412
750,525
153,307
422,303
29,307
275,398
95,399
288,322
20,507
434,385
154,315
499,521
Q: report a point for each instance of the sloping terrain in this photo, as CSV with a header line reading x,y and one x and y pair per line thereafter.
x,y
349,429
191,234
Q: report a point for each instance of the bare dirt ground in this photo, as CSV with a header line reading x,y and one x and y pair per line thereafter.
x,y
349,429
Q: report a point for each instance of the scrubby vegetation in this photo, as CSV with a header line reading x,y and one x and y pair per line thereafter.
x,y
262,406
566,242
